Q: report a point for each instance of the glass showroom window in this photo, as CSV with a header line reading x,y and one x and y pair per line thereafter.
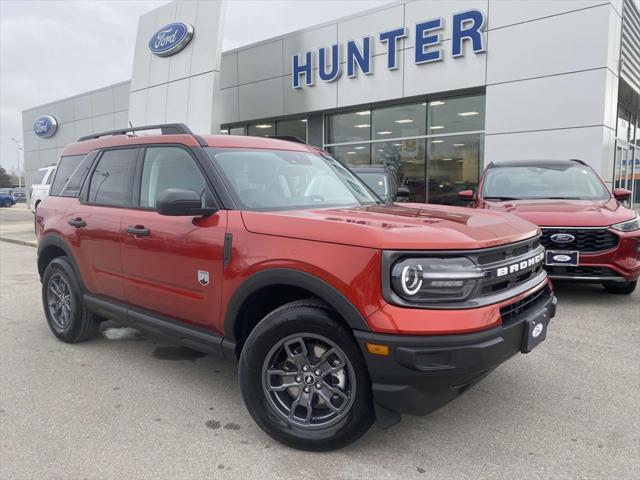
x,y
407,156
295,127
349,127
358,154
626,163
453,165
232,130
423,141
262,129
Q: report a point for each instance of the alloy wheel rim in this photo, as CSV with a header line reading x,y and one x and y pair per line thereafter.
x,y
309,381
60,301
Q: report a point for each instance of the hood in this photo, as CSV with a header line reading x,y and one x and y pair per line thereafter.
x,y
566,213
405,226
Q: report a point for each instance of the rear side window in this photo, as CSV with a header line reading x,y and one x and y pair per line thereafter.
x,y
111,180
66,168
73,182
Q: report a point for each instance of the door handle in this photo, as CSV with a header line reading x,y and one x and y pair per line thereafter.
x,y
77,222
139,231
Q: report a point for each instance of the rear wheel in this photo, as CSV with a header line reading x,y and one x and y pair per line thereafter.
x,y
622,288
66,315
304,380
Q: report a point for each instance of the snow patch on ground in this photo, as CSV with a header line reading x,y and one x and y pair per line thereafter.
x,y
122,333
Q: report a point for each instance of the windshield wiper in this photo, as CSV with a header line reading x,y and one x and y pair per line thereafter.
x,y
565,198
501,199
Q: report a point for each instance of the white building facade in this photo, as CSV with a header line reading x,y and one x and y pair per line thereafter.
x,y
436,89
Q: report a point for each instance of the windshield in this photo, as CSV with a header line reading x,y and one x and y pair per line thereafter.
x,y
285,180
573,182
39,177
376,182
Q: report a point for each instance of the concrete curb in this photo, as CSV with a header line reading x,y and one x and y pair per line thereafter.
x,y
19,242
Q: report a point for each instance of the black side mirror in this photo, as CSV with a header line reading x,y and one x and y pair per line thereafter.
x,y
403,192
180,202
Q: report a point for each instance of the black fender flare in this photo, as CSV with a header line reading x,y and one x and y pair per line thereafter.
x,y
54,240
294,278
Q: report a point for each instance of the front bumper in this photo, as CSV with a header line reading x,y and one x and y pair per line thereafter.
x,y
422,373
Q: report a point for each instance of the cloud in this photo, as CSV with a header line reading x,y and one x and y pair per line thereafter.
x,y
54,49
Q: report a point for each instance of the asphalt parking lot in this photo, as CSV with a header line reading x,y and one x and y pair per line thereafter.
x,y
137,407
16,224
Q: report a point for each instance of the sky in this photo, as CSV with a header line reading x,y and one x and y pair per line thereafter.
x,y
52,49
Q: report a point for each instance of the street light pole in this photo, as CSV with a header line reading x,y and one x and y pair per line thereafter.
x,y
18,148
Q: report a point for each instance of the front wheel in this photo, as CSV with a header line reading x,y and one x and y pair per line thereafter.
x,y
621,288
303,378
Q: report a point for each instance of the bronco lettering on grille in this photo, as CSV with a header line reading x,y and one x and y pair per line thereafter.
x,y
519,266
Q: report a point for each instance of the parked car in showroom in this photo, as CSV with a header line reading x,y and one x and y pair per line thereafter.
x,y
339,308
7,200
383,180
40,189
589,235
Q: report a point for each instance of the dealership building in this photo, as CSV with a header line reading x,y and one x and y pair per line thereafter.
x,y
436,89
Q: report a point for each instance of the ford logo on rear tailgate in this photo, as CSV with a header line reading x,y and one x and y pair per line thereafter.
x,y
562,238
171,39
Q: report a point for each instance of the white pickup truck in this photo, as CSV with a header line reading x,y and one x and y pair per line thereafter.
x,y
40,190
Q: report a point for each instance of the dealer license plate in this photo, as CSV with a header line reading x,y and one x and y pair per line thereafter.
x,y
562,258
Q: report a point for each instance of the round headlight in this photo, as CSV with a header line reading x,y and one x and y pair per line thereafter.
x,y
411,279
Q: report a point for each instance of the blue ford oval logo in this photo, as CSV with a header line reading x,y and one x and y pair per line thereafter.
x,y
171,39
45,126
562,238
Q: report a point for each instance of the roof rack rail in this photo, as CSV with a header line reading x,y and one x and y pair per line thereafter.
x,y
165,129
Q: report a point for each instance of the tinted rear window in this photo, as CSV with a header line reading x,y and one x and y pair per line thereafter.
x,y
67,167
111,179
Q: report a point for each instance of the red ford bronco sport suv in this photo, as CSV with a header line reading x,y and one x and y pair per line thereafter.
x,y
339,309
588,234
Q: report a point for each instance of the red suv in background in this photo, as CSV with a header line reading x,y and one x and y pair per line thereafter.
x,y
339,308
589,235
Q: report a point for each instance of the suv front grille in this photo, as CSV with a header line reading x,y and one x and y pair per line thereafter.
x,y
513,311
506,256
587,240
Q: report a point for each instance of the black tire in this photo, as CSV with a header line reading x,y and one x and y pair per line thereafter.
x,y
320,324
620,288
7,203
78,324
